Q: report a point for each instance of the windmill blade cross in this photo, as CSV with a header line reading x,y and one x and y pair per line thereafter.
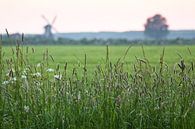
x,y
54,19
54,29
45,19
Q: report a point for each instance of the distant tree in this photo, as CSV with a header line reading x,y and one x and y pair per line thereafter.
x,y
156,27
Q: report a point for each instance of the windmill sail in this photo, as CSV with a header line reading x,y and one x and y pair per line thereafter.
x,y
49,27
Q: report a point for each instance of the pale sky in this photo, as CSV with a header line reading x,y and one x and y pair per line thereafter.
x,y
93,15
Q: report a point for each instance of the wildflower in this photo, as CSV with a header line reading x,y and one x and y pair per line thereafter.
x,y
50,70
23,77
5,83
37,74
12,80
24,72
39,65
58,77
27,69
37,83
79,96
26,108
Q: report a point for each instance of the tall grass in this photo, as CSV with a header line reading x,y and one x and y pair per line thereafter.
x,y
37,96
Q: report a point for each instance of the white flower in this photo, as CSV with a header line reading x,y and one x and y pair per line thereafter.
x,y
50,70
23,77
38,65
79,96
37,74
37,83
27,69
24,72
26,108
5,82
13,79
58,77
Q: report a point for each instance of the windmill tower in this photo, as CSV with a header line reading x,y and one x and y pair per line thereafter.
x,y
49,27
48,32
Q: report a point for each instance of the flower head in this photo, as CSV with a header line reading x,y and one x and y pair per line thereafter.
x,y
23,77
39,65
50,70
37,74
5,82
26,108
58,77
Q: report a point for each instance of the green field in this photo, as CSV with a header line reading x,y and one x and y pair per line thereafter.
x,y
75,55
97,87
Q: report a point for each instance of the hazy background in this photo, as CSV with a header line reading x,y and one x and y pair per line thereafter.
x,y
93,15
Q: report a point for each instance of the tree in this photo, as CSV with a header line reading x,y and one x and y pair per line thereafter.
x,y
156,27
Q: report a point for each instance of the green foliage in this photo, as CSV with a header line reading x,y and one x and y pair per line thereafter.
x,y
107,96
156,27
63,41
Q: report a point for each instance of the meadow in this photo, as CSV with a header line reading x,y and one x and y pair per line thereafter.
x,y
96,55
97,87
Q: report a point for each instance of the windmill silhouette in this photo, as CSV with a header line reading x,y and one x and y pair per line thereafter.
x,y
49,27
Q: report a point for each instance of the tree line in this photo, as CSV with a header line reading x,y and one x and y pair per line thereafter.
x,y
85,41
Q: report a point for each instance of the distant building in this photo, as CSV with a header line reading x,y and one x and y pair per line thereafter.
x,y
48,32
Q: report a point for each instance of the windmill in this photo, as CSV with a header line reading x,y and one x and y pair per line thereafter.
x,y
49,27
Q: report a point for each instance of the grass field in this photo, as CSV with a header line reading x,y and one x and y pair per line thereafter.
x,y
88,87
75,55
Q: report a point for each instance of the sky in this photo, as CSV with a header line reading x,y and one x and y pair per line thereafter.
x,y
93,15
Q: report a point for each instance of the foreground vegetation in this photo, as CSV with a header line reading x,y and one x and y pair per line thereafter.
x,y
50,94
